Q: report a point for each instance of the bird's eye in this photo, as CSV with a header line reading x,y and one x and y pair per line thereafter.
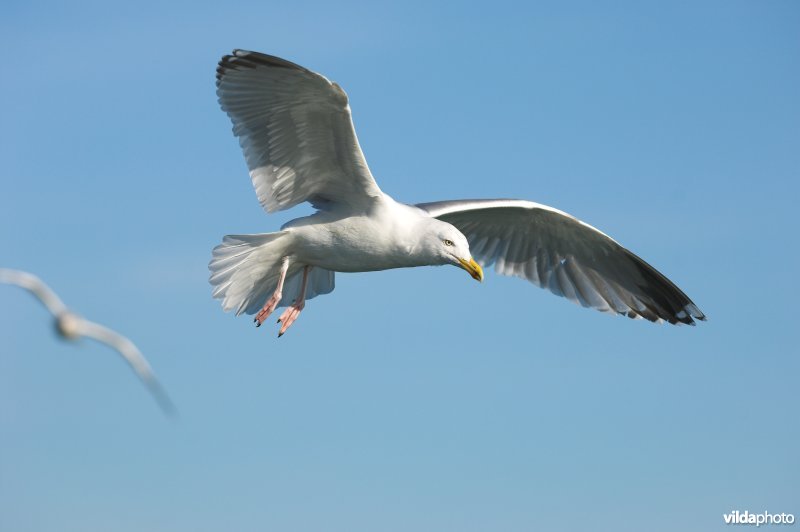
x,y
448,242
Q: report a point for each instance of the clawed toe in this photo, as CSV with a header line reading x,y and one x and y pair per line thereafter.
x,y
268,309
289,316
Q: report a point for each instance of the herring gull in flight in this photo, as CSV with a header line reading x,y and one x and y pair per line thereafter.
x,y
71,326
297,134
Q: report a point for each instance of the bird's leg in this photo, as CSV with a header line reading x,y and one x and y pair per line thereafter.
x,y
293,311
272,302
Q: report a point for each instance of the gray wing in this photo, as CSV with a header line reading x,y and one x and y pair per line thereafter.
x,y
296,132
132,356
36,287
572,259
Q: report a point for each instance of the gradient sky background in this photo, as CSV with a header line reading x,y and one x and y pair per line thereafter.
x,y
417,399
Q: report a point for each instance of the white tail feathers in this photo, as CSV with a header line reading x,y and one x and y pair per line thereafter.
x,y
245,271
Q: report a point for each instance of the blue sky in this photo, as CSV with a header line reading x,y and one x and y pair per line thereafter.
x,y
416,399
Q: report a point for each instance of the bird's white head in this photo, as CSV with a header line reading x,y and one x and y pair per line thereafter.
x,y
448,245
68,325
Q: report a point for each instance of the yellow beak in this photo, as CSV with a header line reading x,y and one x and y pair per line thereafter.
x,y
473,268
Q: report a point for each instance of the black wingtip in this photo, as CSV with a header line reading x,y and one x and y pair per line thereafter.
x,y
240,59
162,399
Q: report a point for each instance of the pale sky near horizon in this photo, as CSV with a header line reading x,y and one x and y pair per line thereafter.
x,y
408,399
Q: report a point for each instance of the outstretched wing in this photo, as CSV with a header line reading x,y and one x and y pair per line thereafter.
x,y
133,357
296,132
556,251
36,287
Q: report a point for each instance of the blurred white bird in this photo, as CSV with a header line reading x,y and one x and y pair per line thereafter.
x,y
71,326
297,134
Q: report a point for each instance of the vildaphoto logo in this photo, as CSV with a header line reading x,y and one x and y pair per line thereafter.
x,y
765,518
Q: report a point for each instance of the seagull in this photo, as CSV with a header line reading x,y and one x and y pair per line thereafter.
x,y
71,326
296,131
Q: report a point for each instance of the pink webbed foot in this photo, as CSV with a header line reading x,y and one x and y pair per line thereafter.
x,y
269,308
290,315
272,302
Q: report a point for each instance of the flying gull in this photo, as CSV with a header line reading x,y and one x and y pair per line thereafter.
x,y
297,134
71,326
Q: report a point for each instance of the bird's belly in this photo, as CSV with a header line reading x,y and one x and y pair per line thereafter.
x,y
345,248
356,262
